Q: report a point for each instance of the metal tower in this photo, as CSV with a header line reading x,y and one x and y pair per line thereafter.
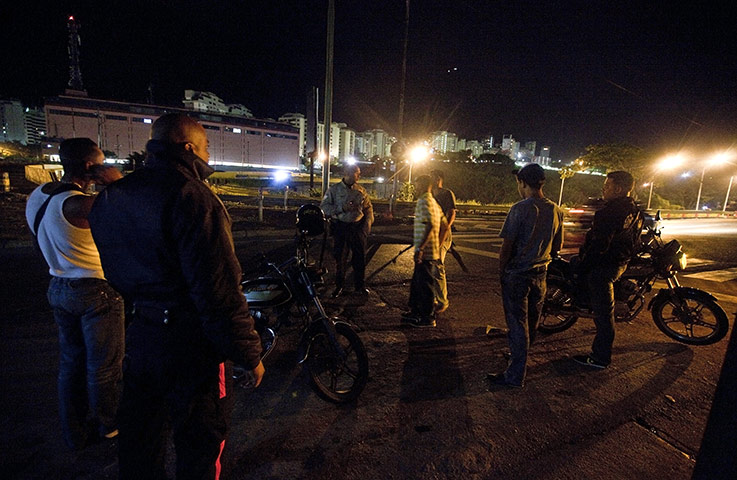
x,y
75,85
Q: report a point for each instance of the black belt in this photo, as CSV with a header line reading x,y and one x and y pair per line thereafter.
x,y
158,313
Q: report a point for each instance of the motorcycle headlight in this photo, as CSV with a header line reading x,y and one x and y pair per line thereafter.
x,y
682,262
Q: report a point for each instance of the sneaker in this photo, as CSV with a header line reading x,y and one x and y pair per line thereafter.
x,y
589,362
421,322
409,316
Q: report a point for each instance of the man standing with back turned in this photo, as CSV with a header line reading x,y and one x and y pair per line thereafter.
x,y
88,312
165,243
532,233
603,258
447,201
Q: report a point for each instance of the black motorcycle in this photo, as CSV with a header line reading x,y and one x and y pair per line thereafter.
x,y
685,314
285,295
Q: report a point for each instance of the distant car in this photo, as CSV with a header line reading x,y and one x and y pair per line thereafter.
x,y
583,216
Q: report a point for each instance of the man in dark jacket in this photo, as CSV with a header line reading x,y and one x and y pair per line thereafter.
x,y
165,243
604,256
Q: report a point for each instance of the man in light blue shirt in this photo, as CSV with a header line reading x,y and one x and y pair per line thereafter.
x,y
532,233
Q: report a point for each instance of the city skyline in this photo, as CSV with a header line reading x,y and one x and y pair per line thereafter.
x,y
658,75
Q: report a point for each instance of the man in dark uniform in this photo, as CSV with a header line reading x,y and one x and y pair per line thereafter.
x,y
165,243
349,208
603,258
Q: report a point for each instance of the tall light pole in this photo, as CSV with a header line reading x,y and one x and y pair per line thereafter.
x,y
328,95
718,159
701,185
650,195
726,199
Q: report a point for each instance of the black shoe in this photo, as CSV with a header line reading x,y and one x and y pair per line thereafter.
x,y
589,362
498,379
420,322
337,292
362,291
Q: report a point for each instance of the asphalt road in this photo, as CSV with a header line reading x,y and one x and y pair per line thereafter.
x,y
427,411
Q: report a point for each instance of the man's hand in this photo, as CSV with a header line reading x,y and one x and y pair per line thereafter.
x,y
104,174
254,377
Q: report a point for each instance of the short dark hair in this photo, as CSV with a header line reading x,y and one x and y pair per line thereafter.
x,y
438,174
423,180
73,153
622,179
532,175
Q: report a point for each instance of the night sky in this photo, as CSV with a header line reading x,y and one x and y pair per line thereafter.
x,y
660,75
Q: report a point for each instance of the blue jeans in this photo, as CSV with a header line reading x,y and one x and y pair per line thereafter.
x,y
90,317
601,280
522,295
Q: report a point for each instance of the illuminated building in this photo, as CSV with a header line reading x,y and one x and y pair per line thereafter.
x,y
124,128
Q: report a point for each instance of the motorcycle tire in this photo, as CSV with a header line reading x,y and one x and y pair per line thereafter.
x,y
332,378
557,298
701,322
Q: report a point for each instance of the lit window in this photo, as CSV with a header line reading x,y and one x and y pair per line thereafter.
x,y
236,130
147,120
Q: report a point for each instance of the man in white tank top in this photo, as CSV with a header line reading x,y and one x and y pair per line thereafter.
x,y
88,312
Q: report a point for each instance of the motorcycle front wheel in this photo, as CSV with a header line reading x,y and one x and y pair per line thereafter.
x,y
556,315
690,317
339,380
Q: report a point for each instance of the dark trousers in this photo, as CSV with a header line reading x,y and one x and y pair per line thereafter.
x,y
349,238
169,383
90,317
424,288
523,295
601,280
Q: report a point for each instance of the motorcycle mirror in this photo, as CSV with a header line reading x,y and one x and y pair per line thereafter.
x,y
658,217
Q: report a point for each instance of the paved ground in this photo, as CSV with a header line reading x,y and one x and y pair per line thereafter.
x,y
427,411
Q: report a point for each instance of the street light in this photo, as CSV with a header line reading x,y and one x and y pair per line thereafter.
x,y
718,159
671,161
417,154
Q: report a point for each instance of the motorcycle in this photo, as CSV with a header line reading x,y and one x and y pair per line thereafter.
x,y
286,295
685,314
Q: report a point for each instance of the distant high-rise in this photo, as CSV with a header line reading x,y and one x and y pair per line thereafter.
x,y
545,152
12,125
530,147
297,120
74,86
443,141
209,102
35,125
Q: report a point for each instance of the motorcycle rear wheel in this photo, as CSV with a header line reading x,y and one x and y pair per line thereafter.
x,y
334,379
697,321
554,318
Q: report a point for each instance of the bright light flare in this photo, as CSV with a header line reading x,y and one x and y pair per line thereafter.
x,y
350,160
281,176
671,161
418,154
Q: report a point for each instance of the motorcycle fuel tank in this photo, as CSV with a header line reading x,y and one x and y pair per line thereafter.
x,y
266,292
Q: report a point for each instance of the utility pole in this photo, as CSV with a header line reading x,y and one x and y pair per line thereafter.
x,y
328,95
400,137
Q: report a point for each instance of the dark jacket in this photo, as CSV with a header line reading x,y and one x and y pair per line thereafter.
x,y
165,239
613,235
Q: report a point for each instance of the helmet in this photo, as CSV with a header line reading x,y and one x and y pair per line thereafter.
x,y
310,220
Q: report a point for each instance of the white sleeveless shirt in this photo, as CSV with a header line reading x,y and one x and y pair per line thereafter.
x,y
69,251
